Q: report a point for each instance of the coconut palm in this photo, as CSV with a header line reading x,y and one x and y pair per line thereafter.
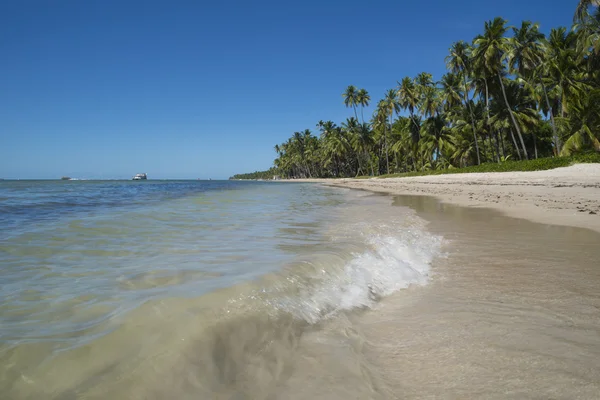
x,y
526,55
451,91
408,95
459,62
363,140
351,98
583,8
490,51
363,99
562,72
424,80
390,105
523,109
583,123
350,128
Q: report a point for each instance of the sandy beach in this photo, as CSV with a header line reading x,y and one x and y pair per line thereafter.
x,y
563,196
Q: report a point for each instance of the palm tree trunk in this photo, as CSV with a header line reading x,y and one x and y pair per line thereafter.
x,y
496,135
414,159
512,117
491,144
512,134
554,133
360,169
487,108
355,114
370,163
387,159
472,119
503,149
412,118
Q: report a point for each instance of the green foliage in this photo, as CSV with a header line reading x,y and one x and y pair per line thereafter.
x,y
269,174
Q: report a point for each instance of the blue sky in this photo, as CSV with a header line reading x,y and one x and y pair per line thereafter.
x,y
199,89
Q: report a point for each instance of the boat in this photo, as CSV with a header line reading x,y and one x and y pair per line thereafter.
x,y
140,177
65,178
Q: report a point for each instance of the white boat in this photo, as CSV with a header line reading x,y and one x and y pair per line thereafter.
x,y
140,177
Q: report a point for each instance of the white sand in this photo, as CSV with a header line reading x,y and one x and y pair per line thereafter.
x,y
563,196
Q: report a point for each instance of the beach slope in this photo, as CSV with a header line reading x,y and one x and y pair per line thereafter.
x,y
563,196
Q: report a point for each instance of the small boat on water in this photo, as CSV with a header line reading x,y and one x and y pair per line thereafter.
x,y
140,177
65,178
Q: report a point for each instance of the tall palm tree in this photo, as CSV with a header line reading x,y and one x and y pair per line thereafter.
x,y
526,55
459,62
523,109
351,98
362,142
392,105
451,91
351,127
385,109
430,102
490,51
408,95
562,70
363,99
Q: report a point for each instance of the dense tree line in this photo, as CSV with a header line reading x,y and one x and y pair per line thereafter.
x,y
512,93
268,174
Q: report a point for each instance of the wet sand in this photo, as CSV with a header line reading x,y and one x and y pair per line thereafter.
x,y
562,196
513,312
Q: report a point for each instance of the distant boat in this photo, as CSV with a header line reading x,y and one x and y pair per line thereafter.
x,y
65,178
140,177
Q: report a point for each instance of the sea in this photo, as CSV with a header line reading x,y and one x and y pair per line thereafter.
x,y
287,290
194,289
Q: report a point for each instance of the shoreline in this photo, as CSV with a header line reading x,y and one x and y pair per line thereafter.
x,y
510,311
568,196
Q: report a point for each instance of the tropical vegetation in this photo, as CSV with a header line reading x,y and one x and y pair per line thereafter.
x,y
512,93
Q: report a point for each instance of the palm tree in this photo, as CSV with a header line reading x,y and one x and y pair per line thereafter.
x,y
351,98
333,146
490,51
451,91
391,105
351,127
424,79
362,142
458,62
408,95
430,102
363,99
523,109
583,9
562,72
526,56
584,123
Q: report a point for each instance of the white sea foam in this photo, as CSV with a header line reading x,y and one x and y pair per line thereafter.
x,y
390,263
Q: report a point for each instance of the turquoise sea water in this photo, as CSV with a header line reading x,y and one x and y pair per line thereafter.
x,y
106,284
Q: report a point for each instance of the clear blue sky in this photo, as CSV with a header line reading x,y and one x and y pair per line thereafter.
x,y
187,89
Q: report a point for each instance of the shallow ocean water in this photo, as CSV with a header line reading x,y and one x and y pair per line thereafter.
x,y
111,287
262,290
